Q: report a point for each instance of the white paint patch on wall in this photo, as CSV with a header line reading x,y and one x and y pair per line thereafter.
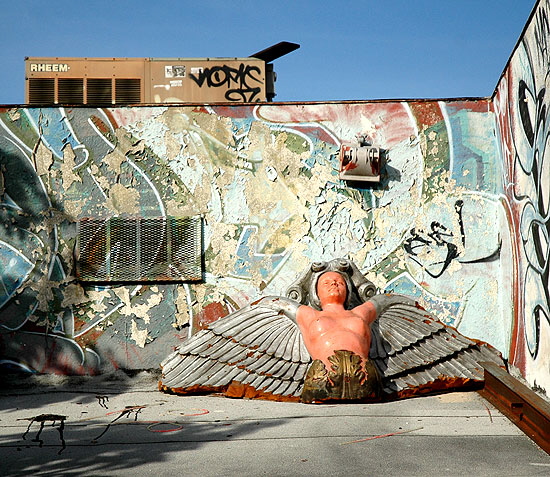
x,y
235,207
398,205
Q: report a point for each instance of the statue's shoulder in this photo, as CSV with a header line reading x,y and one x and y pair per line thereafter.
x,y
279,304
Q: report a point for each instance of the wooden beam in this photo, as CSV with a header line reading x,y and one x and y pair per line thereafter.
x,y
519,403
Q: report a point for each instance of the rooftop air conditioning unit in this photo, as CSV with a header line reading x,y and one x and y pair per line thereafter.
x,y
108,81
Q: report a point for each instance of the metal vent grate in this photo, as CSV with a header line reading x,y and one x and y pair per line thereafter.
x,y
70,90
122,249
99,91
41,90
127,90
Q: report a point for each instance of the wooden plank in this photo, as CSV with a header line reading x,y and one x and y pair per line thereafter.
x,y
519,403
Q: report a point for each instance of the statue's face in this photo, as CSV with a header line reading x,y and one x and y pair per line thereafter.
x,y
332,288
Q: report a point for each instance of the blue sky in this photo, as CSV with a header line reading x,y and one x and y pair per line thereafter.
x,y
350,50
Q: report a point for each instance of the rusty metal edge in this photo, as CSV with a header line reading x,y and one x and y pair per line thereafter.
x,y
528,411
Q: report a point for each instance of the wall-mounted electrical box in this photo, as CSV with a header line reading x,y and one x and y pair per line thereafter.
x,y
360,162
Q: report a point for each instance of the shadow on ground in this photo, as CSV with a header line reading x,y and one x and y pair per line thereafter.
x,y
95,448
17,388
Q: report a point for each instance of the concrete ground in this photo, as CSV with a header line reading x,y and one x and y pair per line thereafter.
x,y
125,427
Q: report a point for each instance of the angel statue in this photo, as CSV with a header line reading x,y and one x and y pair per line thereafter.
x,y
332,338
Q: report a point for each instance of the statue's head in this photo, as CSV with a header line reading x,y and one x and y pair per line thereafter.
x,y
332,288
358,288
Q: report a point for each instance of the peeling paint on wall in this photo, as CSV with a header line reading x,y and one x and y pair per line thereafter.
x,y
265,180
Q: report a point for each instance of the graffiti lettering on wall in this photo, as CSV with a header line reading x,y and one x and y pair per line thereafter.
x,y
523,107
435,250
241,82
438,243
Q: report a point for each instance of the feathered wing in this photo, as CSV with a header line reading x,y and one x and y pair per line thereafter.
x,y
415,353
256,351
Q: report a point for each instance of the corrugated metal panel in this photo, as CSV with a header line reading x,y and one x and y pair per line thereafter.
x,y
127,90
99,91
70,90
41,90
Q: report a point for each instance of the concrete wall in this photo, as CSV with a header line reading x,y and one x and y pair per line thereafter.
x,y
265,179
521,104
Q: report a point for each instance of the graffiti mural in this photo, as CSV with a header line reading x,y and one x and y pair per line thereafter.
x,y
522,105
265,181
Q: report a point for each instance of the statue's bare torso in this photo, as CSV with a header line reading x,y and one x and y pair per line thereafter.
x,y
335,328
